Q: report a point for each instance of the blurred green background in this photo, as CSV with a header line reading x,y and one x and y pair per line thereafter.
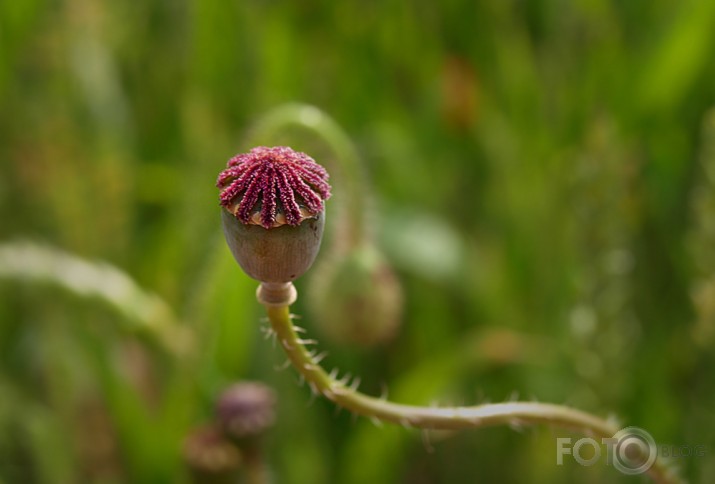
x,y
543,180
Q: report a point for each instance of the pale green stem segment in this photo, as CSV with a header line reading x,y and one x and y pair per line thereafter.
x,y
377,409
347,160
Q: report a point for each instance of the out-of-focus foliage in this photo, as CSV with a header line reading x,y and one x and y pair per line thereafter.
x,y
544,183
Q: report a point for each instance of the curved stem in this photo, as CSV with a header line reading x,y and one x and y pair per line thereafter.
x,y
352,178
377,409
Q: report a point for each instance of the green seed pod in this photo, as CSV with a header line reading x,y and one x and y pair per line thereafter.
x,y
274,255
356,298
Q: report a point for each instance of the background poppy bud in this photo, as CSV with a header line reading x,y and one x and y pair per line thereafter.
x,y
356,297
273,215
246,410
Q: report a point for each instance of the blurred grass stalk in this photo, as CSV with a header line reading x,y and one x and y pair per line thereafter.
x,y
141,311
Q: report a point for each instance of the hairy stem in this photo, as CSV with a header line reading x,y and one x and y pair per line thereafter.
x,y
377,409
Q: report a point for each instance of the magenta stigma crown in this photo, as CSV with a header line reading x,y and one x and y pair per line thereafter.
x,y
272,187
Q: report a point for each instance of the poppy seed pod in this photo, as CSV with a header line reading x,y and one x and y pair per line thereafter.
x,y
273,212
273,255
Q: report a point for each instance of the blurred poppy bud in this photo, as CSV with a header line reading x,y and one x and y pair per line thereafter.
x,y
273,212
356,297
246,410
211,457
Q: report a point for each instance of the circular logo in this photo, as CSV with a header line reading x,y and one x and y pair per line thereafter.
x,y
634,451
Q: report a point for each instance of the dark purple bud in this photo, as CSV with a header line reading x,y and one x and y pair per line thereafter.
x,y
246,410
273,215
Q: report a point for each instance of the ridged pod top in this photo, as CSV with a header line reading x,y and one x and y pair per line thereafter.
x,y
273,187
